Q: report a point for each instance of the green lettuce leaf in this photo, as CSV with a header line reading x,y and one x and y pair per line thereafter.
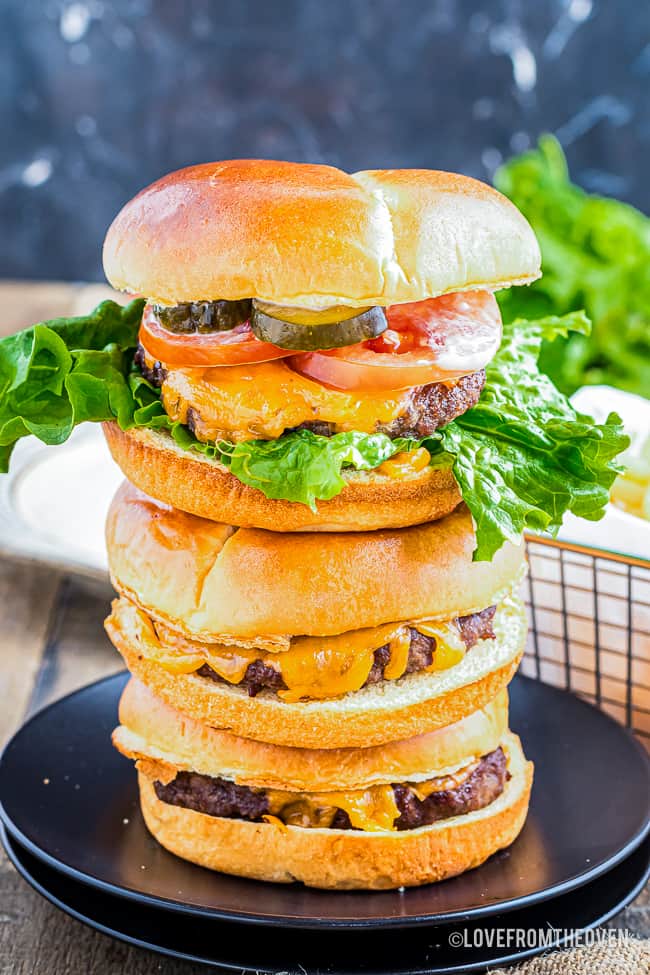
x,y
66,371
299,466
302,466
523,456
595,255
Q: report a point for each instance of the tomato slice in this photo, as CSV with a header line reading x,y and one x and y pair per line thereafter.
x,y
436,340
237,346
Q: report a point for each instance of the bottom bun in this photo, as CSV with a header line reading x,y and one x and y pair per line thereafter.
x,y
188,480
344,859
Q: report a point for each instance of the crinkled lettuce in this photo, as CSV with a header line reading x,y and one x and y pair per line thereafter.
x,y
595,255
60,373
522,456
299,466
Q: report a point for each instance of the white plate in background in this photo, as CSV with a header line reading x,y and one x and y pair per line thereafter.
x,y
618,531
54,500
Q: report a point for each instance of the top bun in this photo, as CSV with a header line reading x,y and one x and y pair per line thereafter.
x,y
308,235
216,583
151,729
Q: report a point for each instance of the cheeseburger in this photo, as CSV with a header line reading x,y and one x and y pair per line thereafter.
x,y
335,322
321,640
399,814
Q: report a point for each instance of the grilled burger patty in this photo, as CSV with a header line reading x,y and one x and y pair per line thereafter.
x,y
430,407
154,374
219,797
477,626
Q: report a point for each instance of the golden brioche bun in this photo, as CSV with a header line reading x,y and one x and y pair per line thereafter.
x,y
312,235
203,486
391,710
213,582
345,859
151,729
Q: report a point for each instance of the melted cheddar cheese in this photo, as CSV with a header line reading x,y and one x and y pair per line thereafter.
x,y
262,401
312,667
322,667
450,648
372,809
444,783
406,463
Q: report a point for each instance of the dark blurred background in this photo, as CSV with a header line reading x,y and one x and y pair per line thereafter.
x,y
97,99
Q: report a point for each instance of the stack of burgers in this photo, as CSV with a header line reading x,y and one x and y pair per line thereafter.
x,y
319,663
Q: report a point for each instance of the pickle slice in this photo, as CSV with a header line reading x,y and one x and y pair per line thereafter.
x,y
311,336
203,316
308,316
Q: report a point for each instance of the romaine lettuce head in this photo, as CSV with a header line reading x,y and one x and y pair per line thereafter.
x,y
595,256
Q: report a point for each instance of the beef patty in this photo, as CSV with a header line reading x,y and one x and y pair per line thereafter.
x,y
431,407
154,374
218,797
477,626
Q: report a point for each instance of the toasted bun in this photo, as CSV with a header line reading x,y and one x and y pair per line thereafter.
x,y
151,729
310,235
217,583
345,859
389,711
205,487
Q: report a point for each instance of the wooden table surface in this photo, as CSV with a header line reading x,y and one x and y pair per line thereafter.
x,y
52,642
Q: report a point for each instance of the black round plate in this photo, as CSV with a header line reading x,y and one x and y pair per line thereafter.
x,y
227,945
70,799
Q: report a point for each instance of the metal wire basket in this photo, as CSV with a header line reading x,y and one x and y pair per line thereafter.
x,y
589,614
